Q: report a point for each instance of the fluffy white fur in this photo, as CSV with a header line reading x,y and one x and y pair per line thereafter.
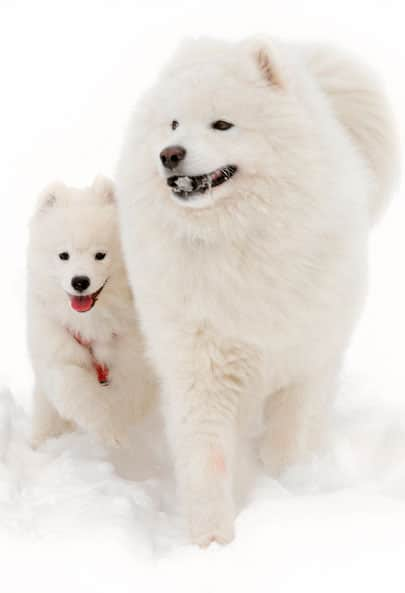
x,y
82,222
248,294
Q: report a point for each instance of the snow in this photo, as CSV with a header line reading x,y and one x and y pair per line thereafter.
x,y
77,517
184,183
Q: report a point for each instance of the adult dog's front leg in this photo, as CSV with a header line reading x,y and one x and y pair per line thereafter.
x,y
204,396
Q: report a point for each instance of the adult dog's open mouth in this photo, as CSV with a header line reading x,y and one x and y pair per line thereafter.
x,y
187,186
83,303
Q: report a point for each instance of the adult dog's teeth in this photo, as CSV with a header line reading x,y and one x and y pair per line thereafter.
x,y
186,185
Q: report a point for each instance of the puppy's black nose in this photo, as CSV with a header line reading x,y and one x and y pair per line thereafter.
x,y
171,156
80,283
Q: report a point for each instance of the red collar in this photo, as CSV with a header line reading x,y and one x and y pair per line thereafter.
x,y
102,370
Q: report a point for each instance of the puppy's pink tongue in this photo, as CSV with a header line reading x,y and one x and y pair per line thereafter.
x,y
81,303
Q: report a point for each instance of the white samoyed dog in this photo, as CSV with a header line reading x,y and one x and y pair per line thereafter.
x,y
86,348
247,185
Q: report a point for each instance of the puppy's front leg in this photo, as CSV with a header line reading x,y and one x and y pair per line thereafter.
x,y
204,395
46,421
78,397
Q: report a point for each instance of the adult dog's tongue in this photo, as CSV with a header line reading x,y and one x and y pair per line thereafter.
x,y
81,304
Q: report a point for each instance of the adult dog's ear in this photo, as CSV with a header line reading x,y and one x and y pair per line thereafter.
x,y
268,61
104,188
50,196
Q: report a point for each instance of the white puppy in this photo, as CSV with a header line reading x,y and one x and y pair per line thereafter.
x,y
86,349
247,185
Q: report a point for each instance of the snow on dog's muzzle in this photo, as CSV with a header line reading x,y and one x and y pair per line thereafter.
x,y
185,186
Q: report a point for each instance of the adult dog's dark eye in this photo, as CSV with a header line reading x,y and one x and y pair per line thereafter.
x,y
175,124
64,255
222,125
99,255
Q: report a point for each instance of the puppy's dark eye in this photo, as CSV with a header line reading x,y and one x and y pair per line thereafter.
x,y
222,125
175,124
100,255
64,255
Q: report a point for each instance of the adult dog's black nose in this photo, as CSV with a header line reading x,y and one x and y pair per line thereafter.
x,y
171,156
80,283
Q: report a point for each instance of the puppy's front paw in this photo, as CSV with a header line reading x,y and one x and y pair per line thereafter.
x,y
109,434
41,432
112,440
212,521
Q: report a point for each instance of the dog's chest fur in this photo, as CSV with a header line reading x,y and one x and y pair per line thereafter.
x,y
278,300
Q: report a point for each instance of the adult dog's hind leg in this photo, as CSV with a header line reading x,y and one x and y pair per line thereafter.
x,y
296,421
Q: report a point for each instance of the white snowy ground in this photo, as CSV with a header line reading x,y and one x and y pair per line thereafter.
x,y
77,518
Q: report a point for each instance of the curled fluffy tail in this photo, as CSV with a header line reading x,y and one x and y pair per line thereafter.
x,y
362,109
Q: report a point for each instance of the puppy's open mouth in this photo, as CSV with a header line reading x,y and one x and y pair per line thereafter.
x,y
83,303
187,186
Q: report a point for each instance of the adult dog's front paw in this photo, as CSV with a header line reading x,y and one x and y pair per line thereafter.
x,y
212,521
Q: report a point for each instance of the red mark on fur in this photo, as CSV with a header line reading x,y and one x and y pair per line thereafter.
x,y
80,340
102,373
102,370
218,461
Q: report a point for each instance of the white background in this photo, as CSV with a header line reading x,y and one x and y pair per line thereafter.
x,y
70,74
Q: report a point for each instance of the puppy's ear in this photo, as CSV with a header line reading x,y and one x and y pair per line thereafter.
x,y
104,188
50,196
268,62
